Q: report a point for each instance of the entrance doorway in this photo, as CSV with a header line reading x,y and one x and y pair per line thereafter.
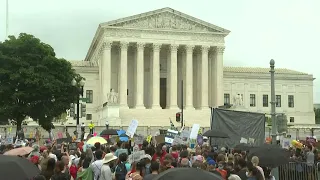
x,y
163,92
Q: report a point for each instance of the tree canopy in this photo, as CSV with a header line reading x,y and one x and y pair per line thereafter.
x,y
33,82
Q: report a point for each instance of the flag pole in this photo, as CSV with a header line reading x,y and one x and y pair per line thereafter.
x,y
7,18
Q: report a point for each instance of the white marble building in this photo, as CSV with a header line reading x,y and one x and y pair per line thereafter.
x,y
146,57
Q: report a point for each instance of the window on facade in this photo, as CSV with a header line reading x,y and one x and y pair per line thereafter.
x,y
252,100
89,117
265,100
226,99
89,96
278,100
292,119
290,101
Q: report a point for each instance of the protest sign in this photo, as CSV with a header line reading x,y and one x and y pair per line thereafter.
x,y
194,131
132,128
170,136
136,156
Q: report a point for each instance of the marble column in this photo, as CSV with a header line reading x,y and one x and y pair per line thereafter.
x,y
204,77
123,74
173,75
106,70
219,76
189,77
156,77
140,76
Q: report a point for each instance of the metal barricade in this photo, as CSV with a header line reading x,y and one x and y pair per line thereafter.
x,y
299,171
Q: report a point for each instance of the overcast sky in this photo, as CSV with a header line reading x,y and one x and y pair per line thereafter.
x,y
287,30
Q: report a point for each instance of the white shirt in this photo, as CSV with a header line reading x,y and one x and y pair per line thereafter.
x,y
106,173
96,168
107,123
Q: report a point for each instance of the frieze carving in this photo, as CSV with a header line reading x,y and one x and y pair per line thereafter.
x,y
191,36
165,20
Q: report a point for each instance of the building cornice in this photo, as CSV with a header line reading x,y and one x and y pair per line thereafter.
x,y
267,76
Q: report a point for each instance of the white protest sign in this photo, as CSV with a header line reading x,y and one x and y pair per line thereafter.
x,y
138,139
194,131
136,156
178,140
132,128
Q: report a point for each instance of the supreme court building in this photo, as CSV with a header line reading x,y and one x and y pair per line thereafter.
x,y
146,57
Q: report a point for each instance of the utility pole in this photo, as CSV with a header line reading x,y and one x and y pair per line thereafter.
x,y
273,104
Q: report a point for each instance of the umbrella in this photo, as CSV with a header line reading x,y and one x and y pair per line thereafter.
x,y
215,133
19,151
270,155
96,139
109,132
17,168
187,174
243,147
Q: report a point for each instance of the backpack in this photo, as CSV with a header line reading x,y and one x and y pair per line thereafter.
x,y
120,171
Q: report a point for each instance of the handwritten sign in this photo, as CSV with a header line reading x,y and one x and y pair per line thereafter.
x,y
194,131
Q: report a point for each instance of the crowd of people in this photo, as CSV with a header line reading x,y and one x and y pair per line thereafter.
x,y
110,162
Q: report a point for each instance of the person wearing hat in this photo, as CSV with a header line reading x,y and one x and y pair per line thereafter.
x,y
108,163
147,159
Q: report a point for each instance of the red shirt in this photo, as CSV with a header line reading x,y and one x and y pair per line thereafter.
x,y
73,171
155,156
175,155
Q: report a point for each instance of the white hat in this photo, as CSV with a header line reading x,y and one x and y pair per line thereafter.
x,y
147,156
109,157
205,138
72,157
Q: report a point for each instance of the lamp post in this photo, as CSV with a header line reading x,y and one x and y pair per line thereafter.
x,y
79,85
273,104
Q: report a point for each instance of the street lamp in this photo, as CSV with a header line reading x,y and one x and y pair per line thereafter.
x,y
79,85
273,104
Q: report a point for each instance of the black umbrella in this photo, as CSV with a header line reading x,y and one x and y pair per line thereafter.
x,y
270,155
215,133
13,167
243,147
109,132
187,174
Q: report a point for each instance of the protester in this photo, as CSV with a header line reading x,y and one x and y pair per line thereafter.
x,y
154,168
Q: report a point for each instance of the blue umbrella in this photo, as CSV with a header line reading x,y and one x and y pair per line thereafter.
x,y
124,139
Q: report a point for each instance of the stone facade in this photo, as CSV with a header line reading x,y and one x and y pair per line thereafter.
x,y
145,57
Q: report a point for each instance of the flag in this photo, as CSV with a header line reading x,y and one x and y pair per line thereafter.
x,y
172,125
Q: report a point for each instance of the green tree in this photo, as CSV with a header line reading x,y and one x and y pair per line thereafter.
x,y
317,115
33,82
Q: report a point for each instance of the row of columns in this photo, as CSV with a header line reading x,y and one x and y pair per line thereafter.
x,y
172,76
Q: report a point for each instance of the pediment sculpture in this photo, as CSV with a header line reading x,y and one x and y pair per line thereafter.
x,y
165,20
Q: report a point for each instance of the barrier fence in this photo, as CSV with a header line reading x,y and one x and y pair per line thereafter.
x,y
299,171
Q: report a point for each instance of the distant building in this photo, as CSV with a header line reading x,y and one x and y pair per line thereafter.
x,y
145,57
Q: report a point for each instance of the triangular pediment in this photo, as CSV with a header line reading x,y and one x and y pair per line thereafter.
x,y
166,18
